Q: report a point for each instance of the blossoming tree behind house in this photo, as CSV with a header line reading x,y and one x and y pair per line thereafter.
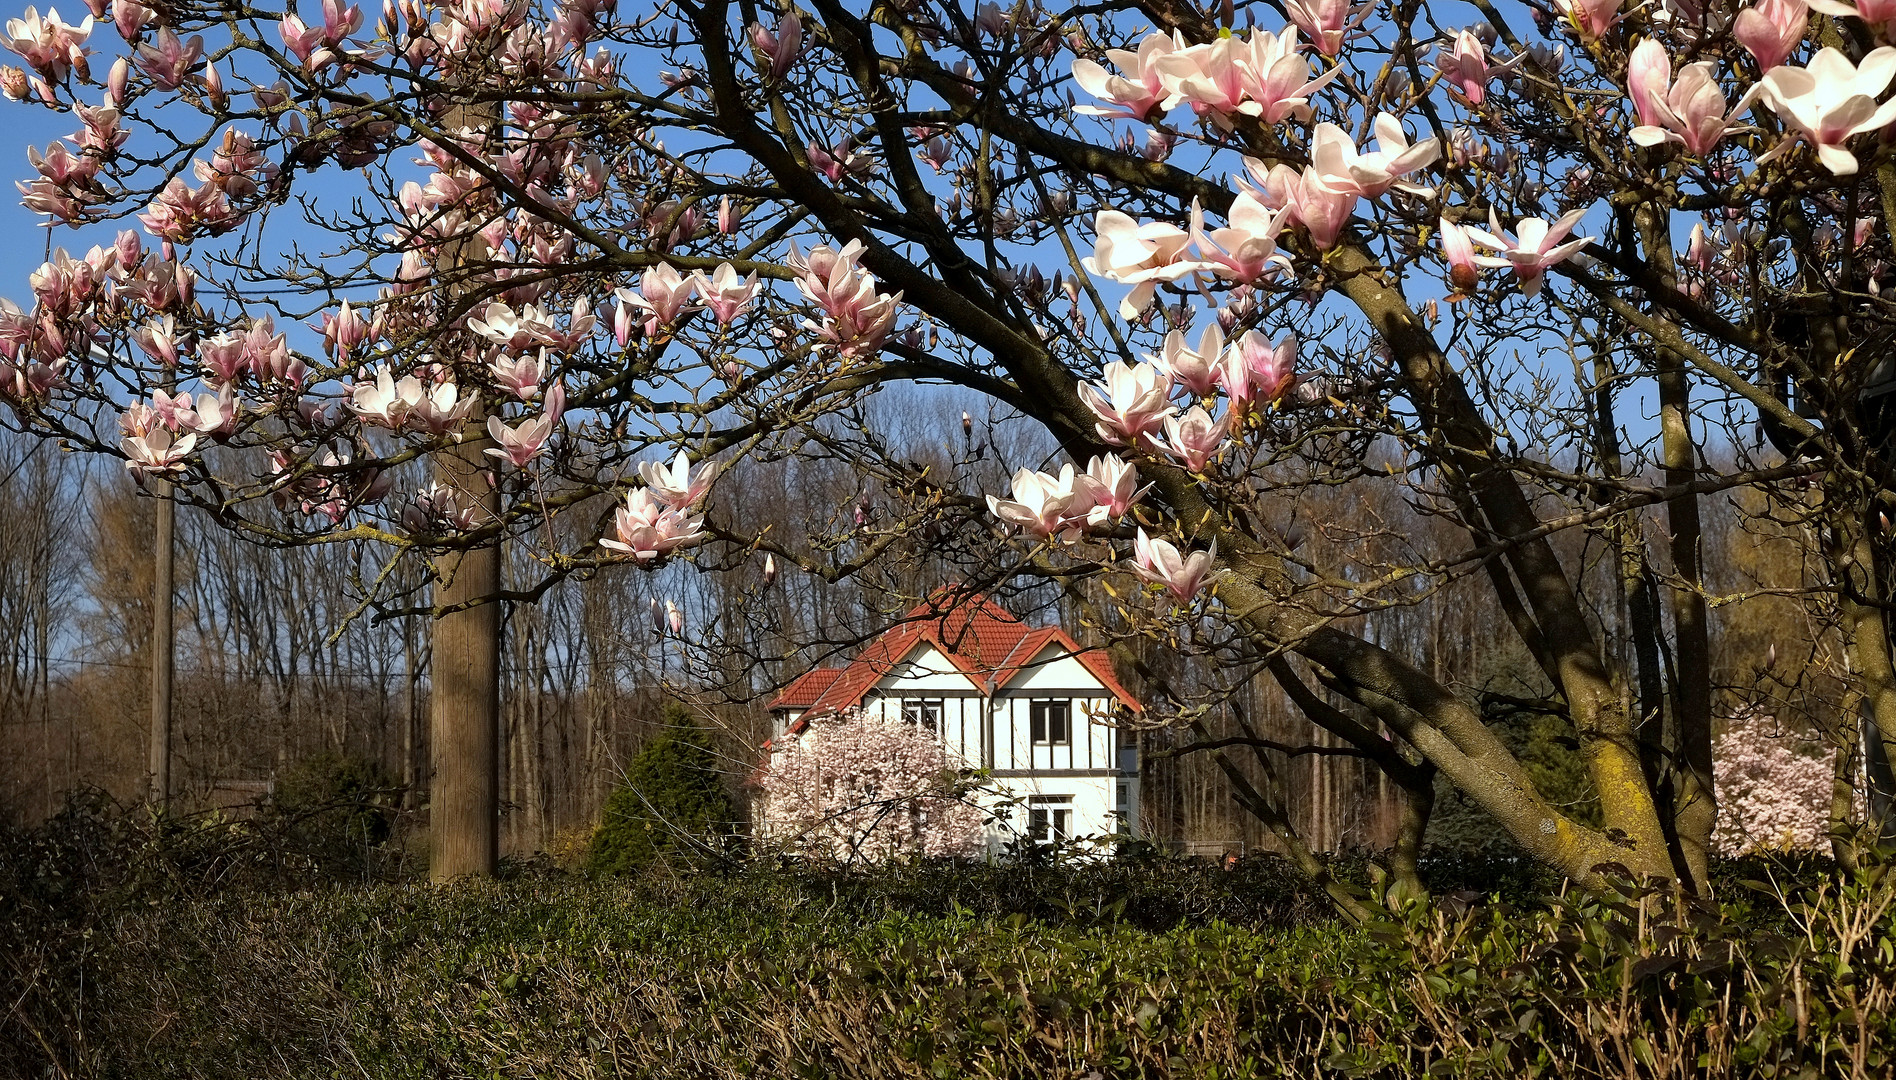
x,y
1159,234
867,788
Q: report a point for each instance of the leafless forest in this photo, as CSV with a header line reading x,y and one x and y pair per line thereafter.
x,y
276,662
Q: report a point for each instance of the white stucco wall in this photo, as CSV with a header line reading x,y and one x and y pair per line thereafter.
x,y
1086,768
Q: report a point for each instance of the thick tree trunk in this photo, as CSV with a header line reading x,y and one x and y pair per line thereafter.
x,y
163,655
464,690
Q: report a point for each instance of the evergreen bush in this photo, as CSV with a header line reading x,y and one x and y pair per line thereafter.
x,y
673,803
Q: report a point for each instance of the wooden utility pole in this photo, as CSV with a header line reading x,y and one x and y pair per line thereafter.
x,y
464,683
464,651
164,557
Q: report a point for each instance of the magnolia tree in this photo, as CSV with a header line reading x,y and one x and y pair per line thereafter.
x,y
1774,789
855,787
1227,260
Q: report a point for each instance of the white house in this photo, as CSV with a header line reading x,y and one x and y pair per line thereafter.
x,y
1024,702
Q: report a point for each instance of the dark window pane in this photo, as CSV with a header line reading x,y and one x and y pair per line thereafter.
x,y
1050,722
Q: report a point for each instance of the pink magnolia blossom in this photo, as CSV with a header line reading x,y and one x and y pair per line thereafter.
x,y
1276,75
1323,210
385,402
1334,157
1245,249
1256,370
1194,369
1464,266
1139,255
1536,248
1690,111
440,410
167,60
781,48
1110,485
1131,405
1829,100
1701,250
156,451
217,415
1042,505
838,161
158,339
139,420
1590,18
648,530
267,353
132,17
854,788
1771,30
339,22
221,358
1209,78
51,47
577,331
172,410
511,329
519,377
1140,91
303,41
664,294
1328,23
725,294
677,485
61,166
1195,439
525,441
858,318
1880,14
1159,562
1465,66
436,508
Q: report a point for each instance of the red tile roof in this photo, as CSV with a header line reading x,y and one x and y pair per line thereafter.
x,y
980,638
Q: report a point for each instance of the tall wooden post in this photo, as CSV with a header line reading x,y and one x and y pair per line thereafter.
x,y
464,685
162,655
464,650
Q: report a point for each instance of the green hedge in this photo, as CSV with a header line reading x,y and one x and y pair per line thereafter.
x,y
131,947
699,977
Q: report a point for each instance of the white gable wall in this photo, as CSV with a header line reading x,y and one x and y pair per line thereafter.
x,y
1053,669
1084,769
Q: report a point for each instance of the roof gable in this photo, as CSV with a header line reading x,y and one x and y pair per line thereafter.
x,y
984,642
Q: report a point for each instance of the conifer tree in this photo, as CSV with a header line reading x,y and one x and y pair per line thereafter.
x,y
673,803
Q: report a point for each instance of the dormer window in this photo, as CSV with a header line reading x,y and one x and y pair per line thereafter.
x,y
1052,721
925,712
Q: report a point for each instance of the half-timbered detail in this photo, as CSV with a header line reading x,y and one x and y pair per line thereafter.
x,y
1026,703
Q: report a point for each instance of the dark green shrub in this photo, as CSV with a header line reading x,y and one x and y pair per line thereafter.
x,y
334,807
726,976
673,803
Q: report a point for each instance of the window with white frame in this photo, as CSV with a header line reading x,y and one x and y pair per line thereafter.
x,y
1051,720
1049,818
925,712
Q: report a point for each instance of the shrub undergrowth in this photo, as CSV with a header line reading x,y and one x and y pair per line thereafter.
x,y
1132,968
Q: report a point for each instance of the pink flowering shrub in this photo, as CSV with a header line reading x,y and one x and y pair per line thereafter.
x,y
858,787
1774,786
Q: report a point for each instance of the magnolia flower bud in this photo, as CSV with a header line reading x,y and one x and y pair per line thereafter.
x,y
770,568
13,83
117,81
